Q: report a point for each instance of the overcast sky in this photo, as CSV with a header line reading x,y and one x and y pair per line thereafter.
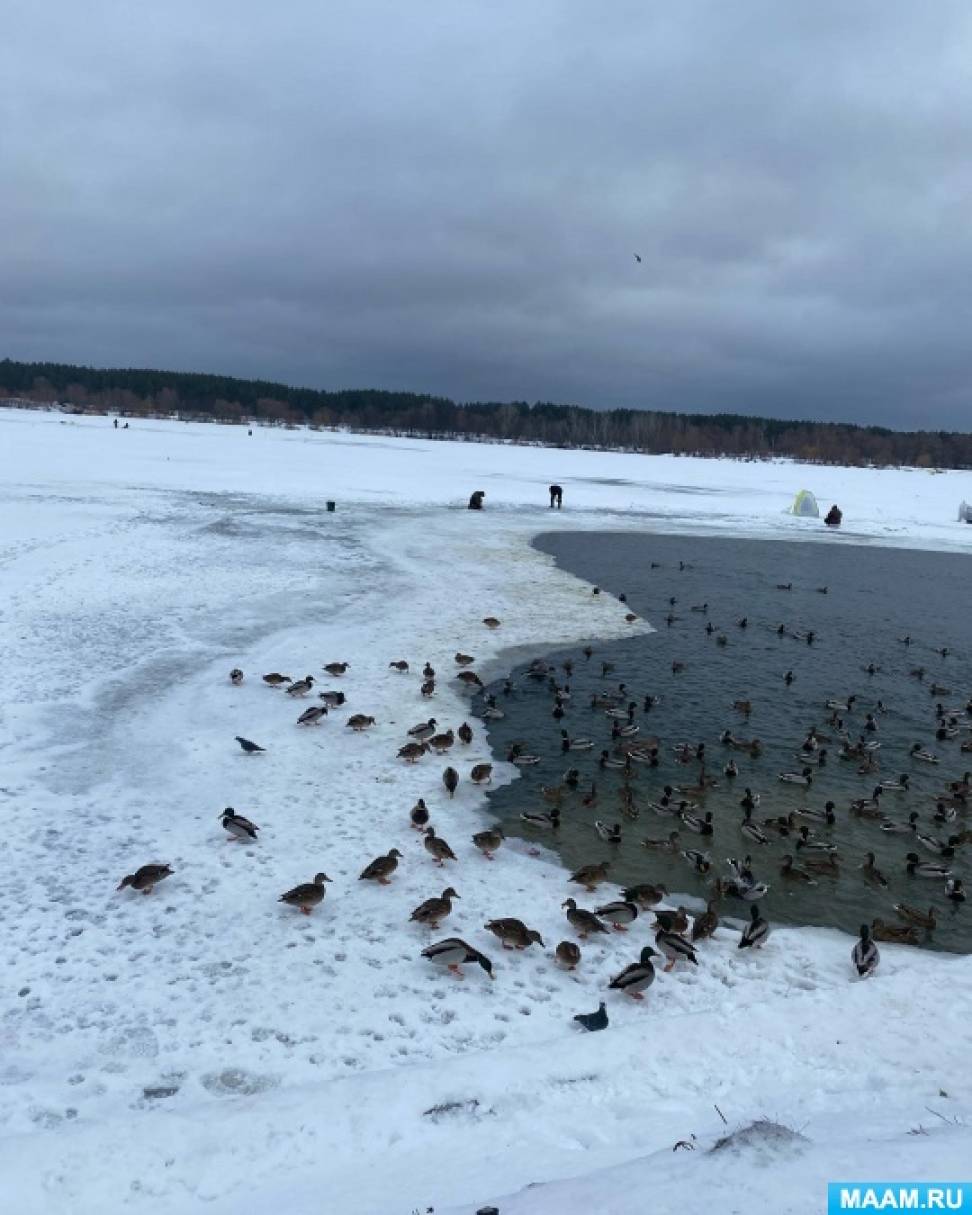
x,y
447,196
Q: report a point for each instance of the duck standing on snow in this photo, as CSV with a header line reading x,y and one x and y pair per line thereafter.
x,y
360,722
435,909
236,676
704,925
488,841
453,952
412,752
637,977
238,827
591,876
145,878
465,734
675,947
513,933
307,895
865,954
756,931
567,955
437,848
419,815
399,665
381,868
644,894
273,680
583,922
312,716
424,730
618,914
301,686
336,668
481,774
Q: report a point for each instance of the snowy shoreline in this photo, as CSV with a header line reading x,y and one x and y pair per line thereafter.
x,y
271,1028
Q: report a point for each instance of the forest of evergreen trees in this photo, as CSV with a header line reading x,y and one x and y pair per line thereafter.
x,y
142,392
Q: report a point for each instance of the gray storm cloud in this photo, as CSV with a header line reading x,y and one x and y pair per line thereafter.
x,y
449,197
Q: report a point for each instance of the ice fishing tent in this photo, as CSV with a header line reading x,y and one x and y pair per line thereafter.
x,y
965,513
805,504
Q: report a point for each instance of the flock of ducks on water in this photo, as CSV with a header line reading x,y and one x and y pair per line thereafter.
x,y
676,935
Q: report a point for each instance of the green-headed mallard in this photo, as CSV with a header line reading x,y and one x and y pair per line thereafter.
x,y
675,947
865,954
424,730
301,687
513,933
307,895
756,931
236,676
381,868
312,716
618,914
145,878
453,952
637,977
238,827
433,910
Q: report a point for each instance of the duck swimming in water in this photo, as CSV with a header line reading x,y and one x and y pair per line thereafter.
x,y
916,867
871,872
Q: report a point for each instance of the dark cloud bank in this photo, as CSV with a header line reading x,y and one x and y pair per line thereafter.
x,y
447,197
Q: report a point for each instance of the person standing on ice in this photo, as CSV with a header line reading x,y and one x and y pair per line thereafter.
x,y
556,497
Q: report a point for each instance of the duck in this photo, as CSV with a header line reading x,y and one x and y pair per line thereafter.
x,y
307,895
871,871
868,807
464,660
248,747
701,862
789,870
146,878
337,668
568,955
428,671
797,778
637,977
574,744
749,800
419,815
675,948
399,665
826,815
453,953
236,676
701,826
807,843
618,914
669,844
238,827
919,752
428,689
705,924
755,933
825,863
301,687
491,622
437,848
412,752
842,706
924,919
954,890
274,679
333,699
865,954
312,716
896,786
752,831
488,841
609,761
944,813
450,778
493,713
932,844
644,894
676,920
909,828
481,774
583,922
522,759
609,834
440,743
465,734
381,868
513,933
899,934
360,722
591,876
540,820
434,910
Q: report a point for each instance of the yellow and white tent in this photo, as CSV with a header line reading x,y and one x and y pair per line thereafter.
x,y
805,505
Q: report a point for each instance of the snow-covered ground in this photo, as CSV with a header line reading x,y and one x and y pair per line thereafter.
x,y
209,1048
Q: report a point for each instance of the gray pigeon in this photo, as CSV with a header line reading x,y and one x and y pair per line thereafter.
x,y
250,748
595,1020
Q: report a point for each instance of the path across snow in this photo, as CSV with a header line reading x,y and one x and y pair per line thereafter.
x,y
292,1059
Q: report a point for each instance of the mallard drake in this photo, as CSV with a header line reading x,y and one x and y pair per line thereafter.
x,y
675,947
944,813
749,800
614,762
789,870
336,668
521,759
868,807
465,734
591,876
381,868
513,933
567,955
419,815
672,921
435,909
491,622
610,834
574,744
440,743
237,826
424,730
248,747
896,786
926,757
730,771
669,844
146,878
826,815
301,687
899,934
359,722
236,676
412,752
450,778
919,868
312,716
637,977
644,894
701,862
428,671
488,841
437,848
540,820
807,843
954,890
871,872
701,826
464,660
481,774
752,831
865,954
583,922
755,932
428,689
333,699
797,778
924,919
618,914
704,925
453,952
908,828
399,665
307,895
470,679
933,844
274,679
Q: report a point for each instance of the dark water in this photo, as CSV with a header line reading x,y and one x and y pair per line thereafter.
x,y
875,596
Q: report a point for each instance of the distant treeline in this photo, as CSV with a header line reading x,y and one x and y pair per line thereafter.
x,y
135,392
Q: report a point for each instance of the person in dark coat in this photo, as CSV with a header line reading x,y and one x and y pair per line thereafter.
x,y
476,499
556,497
834,517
